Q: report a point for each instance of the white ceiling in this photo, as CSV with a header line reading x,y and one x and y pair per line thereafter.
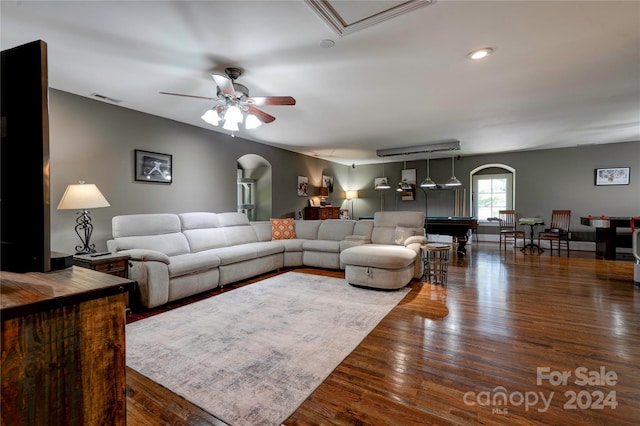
x,y
563,73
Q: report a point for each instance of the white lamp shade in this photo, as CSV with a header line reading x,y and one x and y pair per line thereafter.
x,y
351,195
233,114
231,125
211,117
82,196
252,122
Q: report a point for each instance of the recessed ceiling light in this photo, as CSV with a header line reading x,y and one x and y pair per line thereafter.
x,y
480,53
326,43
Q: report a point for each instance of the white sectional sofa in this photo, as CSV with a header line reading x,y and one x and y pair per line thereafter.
x,y
177,255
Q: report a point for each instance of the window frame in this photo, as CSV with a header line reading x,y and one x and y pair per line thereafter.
x,y
509,173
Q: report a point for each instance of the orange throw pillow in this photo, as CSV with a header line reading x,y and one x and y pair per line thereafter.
x,y
282,229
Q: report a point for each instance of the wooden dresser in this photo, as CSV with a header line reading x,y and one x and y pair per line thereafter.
x,y
63,348
322,213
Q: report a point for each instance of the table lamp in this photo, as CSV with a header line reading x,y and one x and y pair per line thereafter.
x,y
82,197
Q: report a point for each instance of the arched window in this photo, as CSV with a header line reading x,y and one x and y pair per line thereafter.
x,y
493,189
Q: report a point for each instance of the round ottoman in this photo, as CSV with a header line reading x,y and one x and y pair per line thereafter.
x,y
380,266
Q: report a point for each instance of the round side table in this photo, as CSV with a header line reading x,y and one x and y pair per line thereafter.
x,y
435,258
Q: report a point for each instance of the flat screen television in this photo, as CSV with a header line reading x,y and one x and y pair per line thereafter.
x,y
24,185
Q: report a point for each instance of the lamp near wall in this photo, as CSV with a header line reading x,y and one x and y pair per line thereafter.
x,y
351,195
323,193
82,197
453,180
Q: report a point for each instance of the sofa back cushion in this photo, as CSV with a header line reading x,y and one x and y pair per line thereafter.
x,y
263,229
203,231
385,224
335,229
160,232
307,229
237,228
363,228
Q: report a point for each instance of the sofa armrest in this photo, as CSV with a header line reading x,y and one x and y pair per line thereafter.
x,y
143,255
416,239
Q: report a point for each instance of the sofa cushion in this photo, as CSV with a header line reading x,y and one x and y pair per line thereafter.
x,y
159,232
327,246
385,223
232,219
307,229
205,238
292,245
235,254
144,224
199,220
378,256
266,248
282,229
192,263
335,229
236,235
263,229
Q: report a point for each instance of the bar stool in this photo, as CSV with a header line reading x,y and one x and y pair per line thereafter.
x,y
435,257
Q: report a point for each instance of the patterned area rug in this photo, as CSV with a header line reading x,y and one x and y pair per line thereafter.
x,y
252,355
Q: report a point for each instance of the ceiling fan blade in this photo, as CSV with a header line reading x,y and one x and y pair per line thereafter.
x,y
225,84
189,96
261,115
272,100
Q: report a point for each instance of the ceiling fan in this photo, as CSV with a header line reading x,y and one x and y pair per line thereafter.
x,y
234,106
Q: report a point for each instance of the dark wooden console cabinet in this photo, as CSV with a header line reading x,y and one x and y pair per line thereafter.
x,y
63,348
322,213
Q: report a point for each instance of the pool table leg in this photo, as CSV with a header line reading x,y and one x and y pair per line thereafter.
x,y
462,242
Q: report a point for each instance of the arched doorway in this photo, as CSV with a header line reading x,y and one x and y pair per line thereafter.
x,y
254,187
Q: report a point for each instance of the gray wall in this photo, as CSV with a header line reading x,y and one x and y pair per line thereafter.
x,y
94,141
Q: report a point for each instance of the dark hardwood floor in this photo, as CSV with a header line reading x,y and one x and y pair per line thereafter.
x,y
489,348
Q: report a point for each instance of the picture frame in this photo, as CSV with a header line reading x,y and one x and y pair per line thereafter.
x,y
327,182
377,181
409,176
612,176
153,166
303,186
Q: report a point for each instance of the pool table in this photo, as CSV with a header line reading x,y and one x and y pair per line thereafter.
x,y
456,226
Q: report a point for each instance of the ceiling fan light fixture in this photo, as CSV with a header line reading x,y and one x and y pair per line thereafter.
x,y
252,122
211,117
233,114
231,126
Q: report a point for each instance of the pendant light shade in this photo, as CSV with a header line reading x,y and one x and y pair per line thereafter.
x,y
383,184
453,180
427,182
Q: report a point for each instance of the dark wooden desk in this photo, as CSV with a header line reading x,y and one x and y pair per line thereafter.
x,y
63,348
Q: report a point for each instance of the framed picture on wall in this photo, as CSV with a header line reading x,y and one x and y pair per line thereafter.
x,y
409,177
612,176
153,166
327,182
303,186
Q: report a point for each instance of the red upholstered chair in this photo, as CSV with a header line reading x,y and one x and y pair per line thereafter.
x,y
508,229
558,230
